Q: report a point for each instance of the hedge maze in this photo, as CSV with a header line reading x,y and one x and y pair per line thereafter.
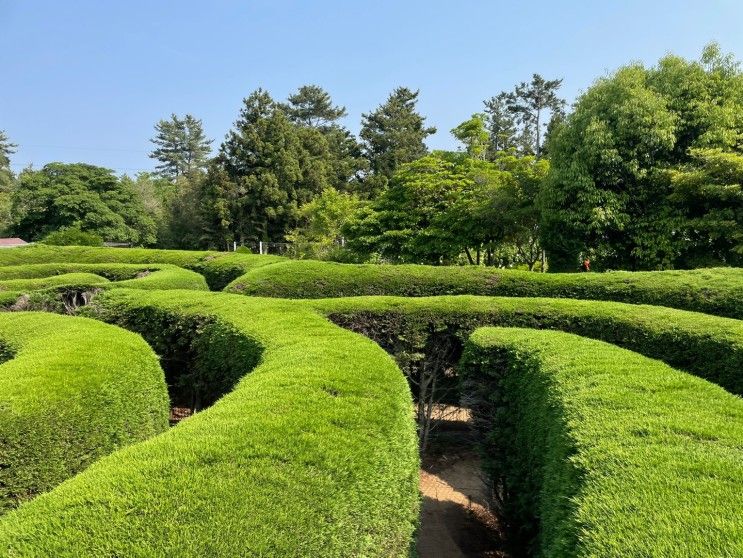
x,y
607,406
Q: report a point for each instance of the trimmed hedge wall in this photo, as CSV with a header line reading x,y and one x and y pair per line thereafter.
x,y
607,453
713,291
62,406
219,268
314,453
707,346
38,283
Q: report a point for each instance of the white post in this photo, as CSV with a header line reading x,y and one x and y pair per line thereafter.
x,y
260,247
234,246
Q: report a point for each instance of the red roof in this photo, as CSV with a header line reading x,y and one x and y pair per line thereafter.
x,y
12,242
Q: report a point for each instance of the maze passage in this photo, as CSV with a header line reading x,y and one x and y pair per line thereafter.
x,y
304,441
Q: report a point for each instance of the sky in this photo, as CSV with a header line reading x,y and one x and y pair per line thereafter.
x,y
85,81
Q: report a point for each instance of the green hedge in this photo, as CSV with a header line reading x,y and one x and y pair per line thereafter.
x,y
38,283
313,453
605,452
714,291
32,277
62,405
708,346
219,268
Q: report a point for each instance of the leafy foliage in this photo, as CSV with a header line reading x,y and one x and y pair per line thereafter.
x,y
72,236
80,196
590,466
610,193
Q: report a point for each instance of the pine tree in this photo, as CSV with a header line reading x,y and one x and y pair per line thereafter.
x,y
274,165
6,150
312,106
501,124
394,133
181,146
530,101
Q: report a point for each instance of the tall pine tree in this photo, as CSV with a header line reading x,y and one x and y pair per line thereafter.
x,y
312,107
181,146
268,166
394,133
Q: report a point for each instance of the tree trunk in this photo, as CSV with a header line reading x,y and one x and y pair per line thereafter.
x,y
469,256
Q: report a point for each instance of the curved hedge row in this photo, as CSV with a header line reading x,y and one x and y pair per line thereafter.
x,y
605,452
134,276
219,268
708,346
713,291
313,453
62,406
64,279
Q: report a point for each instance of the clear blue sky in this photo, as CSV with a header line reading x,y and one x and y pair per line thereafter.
x,y
86,80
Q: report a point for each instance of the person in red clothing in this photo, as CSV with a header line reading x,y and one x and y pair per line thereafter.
x,y
586,265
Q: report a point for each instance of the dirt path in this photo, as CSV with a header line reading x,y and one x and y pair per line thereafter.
x,y
455,519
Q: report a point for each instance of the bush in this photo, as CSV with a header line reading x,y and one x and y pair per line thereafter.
x,y
707,346
72,237
58,279
602,452
62,406
312,454
218,268
714,291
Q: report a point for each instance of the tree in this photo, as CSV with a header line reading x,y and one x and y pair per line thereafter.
x,y
473,134
181,146
85,197
394,133
405,223
321,222
707,198
530,101
610,193
501,125
267,168
312,106
7,180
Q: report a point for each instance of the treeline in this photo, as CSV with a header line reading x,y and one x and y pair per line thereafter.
x,y
644,172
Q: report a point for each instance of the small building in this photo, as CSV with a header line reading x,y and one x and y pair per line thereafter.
x,y
12,242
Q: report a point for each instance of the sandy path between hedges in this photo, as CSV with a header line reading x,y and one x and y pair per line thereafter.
x,y
455,519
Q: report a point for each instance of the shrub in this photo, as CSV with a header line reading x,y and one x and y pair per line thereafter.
x,y
708,346
219,268
603,452
62,406
714,291
72,237
135,276
312,454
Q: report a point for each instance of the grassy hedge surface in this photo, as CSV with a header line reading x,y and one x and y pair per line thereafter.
x,y
62,406
314,453
713,291
57,277
708,346
219,268
609,453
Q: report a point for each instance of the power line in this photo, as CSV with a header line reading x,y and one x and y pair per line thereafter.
x,y
80,148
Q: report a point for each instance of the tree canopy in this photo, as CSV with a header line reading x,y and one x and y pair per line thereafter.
x,y
181,146
612,192
394,133
79,196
